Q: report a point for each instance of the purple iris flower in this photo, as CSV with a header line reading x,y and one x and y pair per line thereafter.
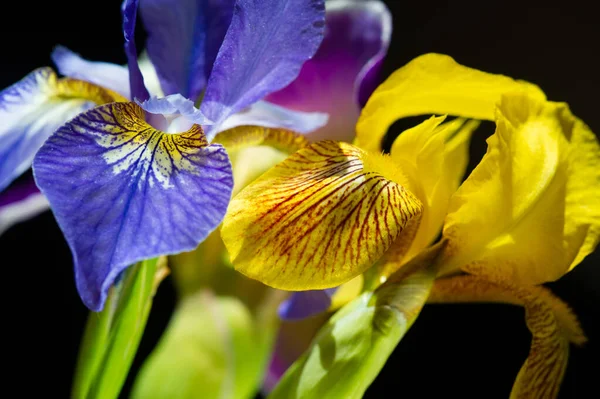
x,y
122,181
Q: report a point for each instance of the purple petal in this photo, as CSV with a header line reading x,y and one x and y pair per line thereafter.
x,y
20,203
30,111
301,305
263,51
345,70
184,37
266,114
136,80
123,191
111,76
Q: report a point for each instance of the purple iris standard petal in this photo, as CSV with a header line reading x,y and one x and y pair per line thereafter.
x,y
29,113
21,202
184,37
344,71
111,76
264,48
122,191
263,113
301,305
136,80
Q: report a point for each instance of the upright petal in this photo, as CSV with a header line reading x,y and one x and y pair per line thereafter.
x,y
123,191
184,37
318,219
19,203
434,84
529,211
434,157
33,108
344,71
136,79
263,51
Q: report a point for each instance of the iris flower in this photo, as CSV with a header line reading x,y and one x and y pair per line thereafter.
x,y
526,215
123,184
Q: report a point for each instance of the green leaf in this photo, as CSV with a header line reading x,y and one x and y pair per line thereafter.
x,y
112,336
352,347
214,347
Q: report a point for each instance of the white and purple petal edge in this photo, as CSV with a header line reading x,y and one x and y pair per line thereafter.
x,y
111,76
30,112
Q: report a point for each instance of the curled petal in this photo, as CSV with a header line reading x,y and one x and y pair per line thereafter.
x,y
174,104
123,191
434,84
551,322
529,211
33,108
345,70
20,203
270,115
318,219
264,48
184,37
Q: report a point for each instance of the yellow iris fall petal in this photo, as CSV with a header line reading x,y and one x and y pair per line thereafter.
x,y
530,209
318,219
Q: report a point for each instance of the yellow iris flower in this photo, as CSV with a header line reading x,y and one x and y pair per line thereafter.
x,y
526,215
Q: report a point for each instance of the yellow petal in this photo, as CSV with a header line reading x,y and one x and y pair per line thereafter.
x,y
582,213
249,163
347,292
67,88
433,84
255,149
516,212
551,322
433,157
248,136
318,219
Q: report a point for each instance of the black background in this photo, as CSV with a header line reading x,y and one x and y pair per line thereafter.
x,y
471,351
